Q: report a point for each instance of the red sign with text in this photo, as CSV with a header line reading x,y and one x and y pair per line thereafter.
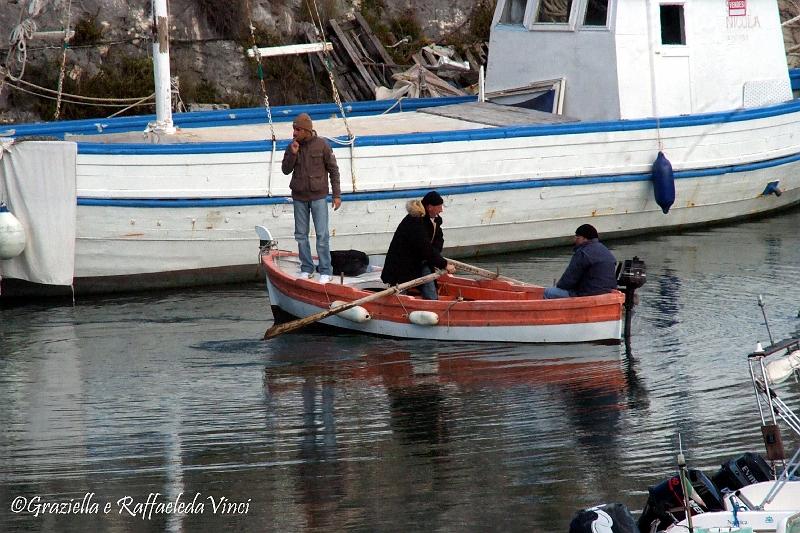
x,y
737,8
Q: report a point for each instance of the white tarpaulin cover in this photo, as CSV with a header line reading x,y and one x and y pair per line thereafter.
x,y
37,182
780,369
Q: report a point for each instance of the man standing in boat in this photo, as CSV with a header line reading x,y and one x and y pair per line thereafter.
x,y
416,247
591,271
311,162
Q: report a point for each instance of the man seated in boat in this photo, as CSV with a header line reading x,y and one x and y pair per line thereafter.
x,y
416,247
311,162
591,271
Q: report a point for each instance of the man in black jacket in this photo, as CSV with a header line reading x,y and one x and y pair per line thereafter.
x,y
591,271
417,244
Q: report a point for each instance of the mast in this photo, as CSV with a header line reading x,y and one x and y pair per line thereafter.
x,y
161,74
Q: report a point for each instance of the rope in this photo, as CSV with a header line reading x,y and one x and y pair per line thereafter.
x,y
63,61
265,95
397,103
177,102
141,101
122,101
400,301
69,100
320,32
449,307
19,36
653,85
336,140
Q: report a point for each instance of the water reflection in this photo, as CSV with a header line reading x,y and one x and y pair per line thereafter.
x,y
666,300
175,392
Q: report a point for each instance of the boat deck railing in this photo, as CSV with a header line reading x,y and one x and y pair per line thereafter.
x,y
772,407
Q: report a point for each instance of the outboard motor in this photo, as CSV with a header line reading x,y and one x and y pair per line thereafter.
x,y
631,274
614,517
664,506
747,469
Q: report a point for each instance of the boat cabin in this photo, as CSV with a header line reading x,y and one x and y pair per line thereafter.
x,y
626,59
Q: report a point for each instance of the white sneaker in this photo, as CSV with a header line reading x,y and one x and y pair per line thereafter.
x,y
324,278
305,275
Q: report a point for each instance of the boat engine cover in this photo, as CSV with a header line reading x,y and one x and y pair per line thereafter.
x,y
610,517
664,506
745,470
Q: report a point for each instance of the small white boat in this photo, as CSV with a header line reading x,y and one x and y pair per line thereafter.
x,y
747,495
703,83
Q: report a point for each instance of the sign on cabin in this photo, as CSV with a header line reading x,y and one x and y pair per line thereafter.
x,y
737,8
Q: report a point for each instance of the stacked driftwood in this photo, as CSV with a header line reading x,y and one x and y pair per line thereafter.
x,y
364,70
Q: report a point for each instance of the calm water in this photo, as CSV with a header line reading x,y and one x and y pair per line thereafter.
x,y
173,397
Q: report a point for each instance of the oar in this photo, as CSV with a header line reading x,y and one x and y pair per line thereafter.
x,y
277,329
471,269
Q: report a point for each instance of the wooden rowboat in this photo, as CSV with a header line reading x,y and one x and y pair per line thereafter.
x,y
467,310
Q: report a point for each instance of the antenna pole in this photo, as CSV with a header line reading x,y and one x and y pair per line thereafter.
x,y
766,322
685,484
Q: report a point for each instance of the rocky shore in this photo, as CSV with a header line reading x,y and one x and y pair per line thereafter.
x,y
108,56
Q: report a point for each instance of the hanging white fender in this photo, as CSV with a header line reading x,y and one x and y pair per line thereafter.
x,y
423,318
12,234
354,314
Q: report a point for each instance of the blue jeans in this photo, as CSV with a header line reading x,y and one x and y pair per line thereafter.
x,y
428,290
551,293
318,210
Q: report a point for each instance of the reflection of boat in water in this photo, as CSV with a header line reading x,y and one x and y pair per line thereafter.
x,y
746,494
179,208
487,310
590,367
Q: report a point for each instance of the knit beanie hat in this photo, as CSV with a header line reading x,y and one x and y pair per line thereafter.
x,y
586,231
303,121
432,198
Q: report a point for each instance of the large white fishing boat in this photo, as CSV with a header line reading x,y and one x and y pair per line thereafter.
x,y
107,207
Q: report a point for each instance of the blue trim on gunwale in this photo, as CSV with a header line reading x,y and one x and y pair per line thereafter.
x,y
222,117
460,135
451,190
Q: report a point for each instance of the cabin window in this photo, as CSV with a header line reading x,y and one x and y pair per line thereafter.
x,y
554,11
513,12
596,13
672,25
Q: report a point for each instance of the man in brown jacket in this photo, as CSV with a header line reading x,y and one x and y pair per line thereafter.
x,y
311,161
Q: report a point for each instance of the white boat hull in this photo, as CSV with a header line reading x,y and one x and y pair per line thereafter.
x,y
176,212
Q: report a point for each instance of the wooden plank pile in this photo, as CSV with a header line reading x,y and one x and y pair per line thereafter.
x,y
361,65
360,62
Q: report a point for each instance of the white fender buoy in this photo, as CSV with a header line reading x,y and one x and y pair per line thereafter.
x,y
12,234
354,314
423,318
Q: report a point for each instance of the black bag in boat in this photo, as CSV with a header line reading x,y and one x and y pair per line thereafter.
x,y
664,505
349,262
613,515
745,470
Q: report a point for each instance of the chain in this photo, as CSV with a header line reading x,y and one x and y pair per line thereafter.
x,y
64,47
265,95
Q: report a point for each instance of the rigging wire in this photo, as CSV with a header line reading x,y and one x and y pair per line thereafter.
x,y
320,33
265,95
